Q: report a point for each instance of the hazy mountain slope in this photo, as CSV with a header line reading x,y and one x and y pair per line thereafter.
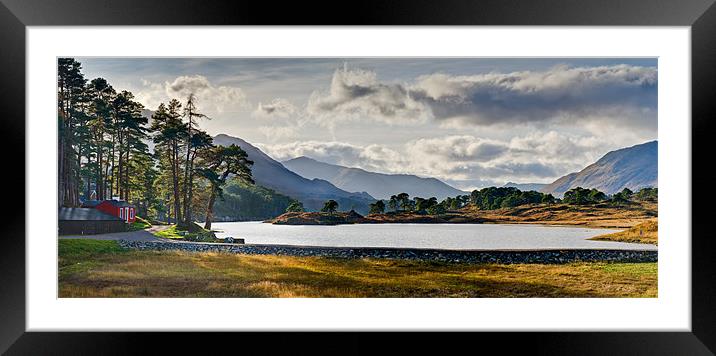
x,y
632,167
526,186
378,185
312,193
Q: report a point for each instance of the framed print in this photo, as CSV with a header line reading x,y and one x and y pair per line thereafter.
x,y
473,167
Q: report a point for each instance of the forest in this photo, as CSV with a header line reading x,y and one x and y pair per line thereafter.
x,y
162,162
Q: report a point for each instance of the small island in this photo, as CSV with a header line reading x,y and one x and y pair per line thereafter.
x,y
579,207
352,217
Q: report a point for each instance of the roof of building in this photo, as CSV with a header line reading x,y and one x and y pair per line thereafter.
x,y
84,214
117,203
90,203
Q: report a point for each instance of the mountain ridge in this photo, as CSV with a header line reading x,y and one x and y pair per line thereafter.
x,y
633,167
271,174
378,185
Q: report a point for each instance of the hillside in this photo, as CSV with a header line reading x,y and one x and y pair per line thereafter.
x,y
271,174
378,185
632,167
244,202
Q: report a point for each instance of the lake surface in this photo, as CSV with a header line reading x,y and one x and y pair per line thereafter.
x,y
437,236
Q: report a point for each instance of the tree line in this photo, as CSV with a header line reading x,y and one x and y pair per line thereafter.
x,y
103,151
492,198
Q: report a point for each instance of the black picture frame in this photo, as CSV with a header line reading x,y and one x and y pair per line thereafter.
x,y
16,15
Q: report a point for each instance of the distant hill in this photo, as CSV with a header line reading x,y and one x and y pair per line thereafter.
x,y
271,174
243,201
526,186
632,167
378,185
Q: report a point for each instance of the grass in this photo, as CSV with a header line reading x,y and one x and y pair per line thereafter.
x,y
77,255
139,224
175,232
596,215
169,233
646,233
102,269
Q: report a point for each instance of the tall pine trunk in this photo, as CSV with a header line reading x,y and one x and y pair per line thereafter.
x,y
175,180
212,200
210,208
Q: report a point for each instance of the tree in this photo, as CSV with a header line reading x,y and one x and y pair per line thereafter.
x,y
295,207
404,201
548,199
577,196
510,202
195,140
71,100
377,208
596,196
170,133
647,194
476,197
581,196
437,209
220,162
393,203
330,206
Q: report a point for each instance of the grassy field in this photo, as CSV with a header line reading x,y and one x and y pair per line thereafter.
x,y
90,268
646,233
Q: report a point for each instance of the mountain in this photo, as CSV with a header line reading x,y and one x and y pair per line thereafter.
x,y
526,186
271,174
632,167
378,185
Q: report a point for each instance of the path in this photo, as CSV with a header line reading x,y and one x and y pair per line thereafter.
x,y
140,235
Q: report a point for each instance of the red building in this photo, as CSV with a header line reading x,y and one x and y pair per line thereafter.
x,y
118,208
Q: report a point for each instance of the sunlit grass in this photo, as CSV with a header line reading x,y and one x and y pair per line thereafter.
x,y
139,224
646,232
108,271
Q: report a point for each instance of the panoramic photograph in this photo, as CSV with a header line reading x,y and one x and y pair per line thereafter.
x,y
400,177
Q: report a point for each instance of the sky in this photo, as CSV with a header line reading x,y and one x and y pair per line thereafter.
x,y
472,122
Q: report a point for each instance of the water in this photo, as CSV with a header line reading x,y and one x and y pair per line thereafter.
x,y
438,236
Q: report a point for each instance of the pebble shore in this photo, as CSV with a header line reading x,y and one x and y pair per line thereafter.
x,y
467,256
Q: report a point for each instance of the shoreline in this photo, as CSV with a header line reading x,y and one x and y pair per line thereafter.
x,y
512,223
545,256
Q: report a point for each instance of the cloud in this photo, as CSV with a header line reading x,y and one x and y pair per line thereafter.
x,y
466,160
278,108
620,93
277,133
210,98
357,94
460,148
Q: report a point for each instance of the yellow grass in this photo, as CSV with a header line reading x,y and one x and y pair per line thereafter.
x,y
185,274
599,215
646,232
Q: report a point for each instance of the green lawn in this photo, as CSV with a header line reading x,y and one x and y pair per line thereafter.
x,y
139,224
200,234
102,269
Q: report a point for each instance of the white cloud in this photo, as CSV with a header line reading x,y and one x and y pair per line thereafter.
x,y
463,159
278,133
211,99
620,93
356,94
278,108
